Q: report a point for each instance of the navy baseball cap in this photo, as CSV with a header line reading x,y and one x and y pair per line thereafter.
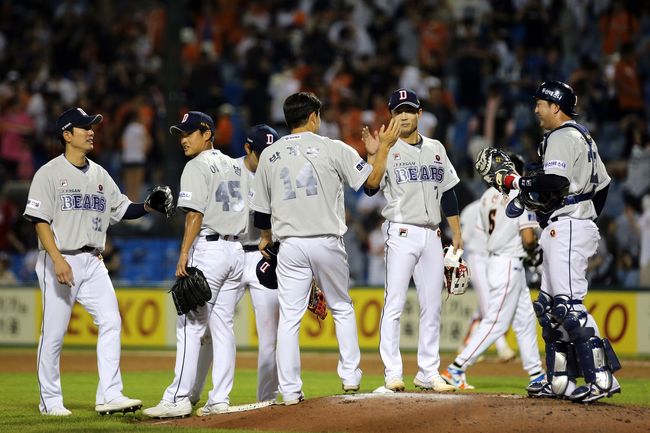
x,y
403,96
266,275
259,137
76,117
193,120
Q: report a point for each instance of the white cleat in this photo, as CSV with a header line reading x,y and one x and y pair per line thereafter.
x,y
167,409
212,409
395,384
436,383
59,411
122,405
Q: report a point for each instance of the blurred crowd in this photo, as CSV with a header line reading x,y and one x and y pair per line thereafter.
x,y
474,63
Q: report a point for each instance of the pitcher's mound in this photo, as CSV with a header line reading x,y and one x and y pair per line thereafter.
x,y
437,412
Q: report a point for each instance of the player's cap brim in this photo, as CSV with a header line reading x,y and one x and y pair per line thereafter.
x,y
92,120
412,104
183,128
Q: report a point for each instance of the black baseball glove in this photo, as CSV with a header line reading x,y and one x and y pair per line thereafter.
x,y
494,165
190,292
161,200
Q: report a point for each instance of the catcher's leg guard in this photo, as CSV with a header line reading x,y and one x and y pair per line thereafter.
x,y
591,355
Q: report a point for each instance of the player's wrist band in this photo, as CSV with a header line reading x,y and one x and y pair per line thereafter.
x,y
511,181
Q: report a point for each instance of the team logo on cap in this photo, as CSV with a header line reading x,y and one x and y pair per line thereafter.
x,y
185,117
402,95
269,138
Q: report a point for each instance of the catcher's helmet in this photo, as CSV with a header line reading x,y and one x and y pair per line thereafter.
x,y
558,93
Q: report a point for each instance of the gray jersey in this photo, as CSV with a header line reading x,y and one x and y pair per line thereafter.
x,y
474,241
414,182
299,181
503,237
211,183
78,205
567,155
252,234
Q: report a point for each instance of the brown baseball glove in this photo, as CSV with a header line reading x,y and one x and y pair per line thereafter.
x,y
317,303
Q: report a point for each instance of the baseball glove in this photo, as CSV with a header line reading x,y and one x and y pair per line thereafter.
x,y
456,272
317,303
161,200
190,292
494,165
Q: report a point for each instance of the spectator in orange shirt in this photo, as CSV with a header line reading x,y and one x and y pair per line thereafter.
x,y
629,90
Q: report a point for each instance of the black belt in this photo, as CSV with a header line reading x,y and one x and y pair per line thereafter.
x,y
217,236
249,248
577,198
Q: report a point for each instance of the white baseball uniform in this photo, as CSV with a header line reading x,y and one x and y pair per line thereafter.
x,y
476,255
266,307
79,205
211,184
571,236
415,179
299,181
509,299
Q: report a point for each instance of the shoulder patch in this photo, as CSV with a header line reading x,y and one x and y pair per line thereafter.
x,y
185,195
34,204
561,165
361,165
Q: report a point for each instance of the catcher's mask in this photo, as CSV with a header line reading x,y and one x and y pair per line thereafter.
x,y
542,202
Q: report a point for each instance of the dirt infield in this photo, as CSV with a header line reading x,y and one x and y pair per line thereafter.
x,y
430,412
411,412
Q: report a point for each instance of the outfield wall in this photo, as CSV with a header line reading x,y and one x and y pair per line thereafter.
x,y
149,319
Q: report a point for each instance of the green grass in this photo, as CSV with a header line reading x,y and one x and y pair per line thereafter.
x,y
19,399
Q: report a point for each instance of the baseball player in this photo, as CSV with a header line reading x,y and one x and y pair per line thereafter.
x,y
298,190
570,191
508,297
265,301
211,195
72,201
418,184
476,255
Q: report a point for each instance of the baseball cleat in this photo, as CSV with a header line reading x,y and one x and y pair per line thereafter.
x,y
537,383
212,409
436,383
167,409
456,378
300,399
119,405
591,392
59,411
351,388
395,384
541,391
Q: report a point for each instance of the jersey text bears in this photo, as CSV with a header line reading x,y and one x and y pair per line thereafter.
x,y
83,202
424,173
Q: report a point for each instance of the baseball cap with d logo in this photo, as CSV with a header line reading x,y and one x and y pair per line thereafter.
x,y
76,118
259,137
193,120
403,96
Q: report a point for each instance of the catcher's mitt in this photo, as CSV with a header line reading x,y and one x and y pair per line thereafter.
x,y
456,273
161,200
317,303
494,165
265,269
190,292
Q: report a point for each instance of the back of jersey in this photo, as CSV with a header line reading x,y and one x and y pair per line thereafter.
x,y
211,183
299,181
503,234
